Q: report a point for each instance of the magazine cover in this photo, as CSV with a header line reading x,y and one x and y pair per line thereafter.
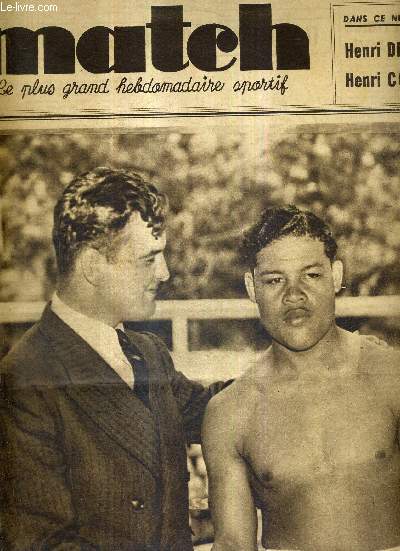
x,y
199,278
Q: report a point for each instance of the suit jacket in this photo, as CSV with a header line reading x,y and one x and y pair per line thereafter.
x,y
85,465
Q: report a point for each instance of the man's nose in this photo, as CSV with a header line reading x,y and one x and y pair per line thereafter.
x,y
163,271
294,294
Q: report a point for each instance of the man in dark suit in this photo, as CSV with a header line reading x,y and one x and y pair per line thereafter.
x,y
95,420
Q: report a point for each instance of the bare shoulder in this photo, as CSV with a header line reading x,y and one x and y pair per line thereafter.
x,y
381,364
228,404
379,358
246,387
230,411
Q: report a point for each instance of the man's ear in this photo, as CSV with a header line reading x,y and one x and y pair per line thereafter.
x,y
249,282
91,265
337,272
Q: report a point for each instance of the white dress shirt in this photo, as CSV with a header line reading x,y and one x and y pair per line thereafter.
x,y
98,335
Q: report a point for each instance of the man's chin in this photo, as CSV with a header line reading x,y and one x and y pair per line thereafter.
x,y
299,343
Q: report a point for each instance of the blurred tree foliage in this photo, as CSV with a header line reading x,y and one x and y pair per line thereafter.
x,y
217,183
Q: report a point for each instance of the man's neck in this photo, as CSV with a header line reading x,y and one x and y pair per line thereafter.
x,y
86,306
328,355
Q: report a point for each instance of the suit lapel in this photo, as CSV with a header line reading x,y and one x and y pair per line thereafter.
x,y
102,395
175,534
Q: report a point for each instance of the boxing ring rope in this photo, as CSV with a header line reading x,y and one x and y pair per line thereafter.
x,y
180,312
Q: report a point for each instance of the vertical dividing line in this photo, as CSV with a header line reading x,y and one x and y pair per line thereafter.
x,y
333,49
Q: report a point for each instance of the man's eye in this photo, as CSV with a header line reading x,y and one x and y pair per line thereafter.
x,y
313,275
150,260
273,281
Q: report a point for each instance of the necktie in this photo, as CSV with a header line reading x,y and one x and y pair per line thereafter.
x,y
140,371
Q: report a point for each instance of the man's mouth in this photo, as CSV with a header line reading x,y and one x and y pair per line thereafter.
x,y
297,316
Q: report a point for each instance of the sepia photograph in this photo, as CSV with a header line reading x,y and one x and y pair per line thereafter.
x,y
199,275
168,287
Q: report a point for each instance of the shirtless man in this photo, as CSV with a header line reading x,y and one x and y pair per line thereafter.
x,y
313,433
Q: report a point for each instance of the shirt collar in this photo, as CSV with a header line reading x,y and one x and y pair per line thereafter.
x,y
101,337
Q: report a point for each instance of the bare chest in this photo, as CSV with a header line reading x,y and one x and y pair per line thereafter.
x,y
305,429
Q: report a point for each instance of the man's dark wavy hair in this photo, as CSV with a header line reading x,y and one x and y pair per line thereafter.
x,y
96,206
278,222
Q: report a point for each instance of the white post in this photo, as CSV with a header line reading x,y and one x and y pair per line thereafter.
x,y
180,334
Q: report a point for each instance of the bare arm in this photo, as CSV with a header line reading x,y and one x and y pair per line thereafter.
x,y
231,500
